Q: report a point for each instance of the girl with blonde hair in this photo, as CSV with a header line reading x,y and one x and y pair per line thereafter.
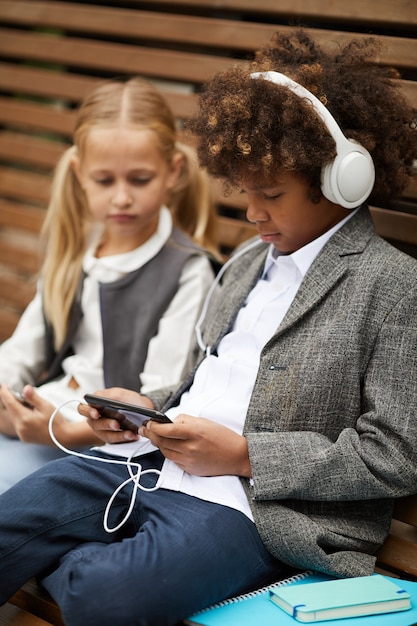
x,y
121,284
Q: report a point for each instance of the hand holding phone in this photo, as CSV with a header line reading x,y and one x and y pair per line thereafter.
x,y
21,398
129,416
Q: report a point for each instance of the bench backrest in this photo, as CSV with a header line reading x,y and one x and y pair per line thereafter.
x,y
52,53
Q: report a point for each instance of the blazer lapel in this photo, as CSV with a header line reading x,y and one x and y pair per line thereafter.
x,y
226,309
329,266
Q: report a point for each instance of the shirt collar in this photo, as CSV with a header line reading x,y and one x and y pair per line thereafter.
x,y
304,257
130,261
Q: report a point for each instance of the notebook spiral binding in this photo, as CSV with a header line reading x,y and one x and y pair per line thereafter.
x,y
256,592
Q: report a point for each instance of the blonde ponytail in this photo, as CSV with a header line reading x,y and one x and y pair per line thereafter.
x,y
64,233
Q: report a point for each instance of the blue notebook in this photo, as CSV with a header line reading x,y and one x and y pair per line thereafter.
x,y
256,608
341,598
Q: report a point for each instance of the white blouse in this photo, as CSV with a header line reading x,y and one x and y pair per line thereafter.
x,y
22,355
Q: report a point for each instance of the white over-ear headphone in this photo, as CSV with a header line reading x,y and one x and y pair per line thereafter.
x,y
349,178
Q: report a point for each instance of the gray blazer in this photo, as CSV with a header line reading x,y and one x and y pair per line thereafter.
x,y
332,421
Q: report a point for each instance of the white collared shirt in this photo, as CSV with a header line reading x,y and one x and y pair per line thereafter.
x,y
223,384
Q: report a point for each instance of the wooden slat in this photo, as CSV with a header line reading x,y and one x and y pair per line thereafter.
x,y
409,89
13,616
31,598
38,151
47,83
111,57
400,555
8,322
232,232
53,84
23,258
399,552
21,148
50,83
18,293
24,185
35,117
24,217
387,12
395,225
233,34
411,190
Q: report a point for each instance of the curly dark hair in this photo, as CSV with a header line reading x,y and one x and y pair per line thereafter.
x,y
250,127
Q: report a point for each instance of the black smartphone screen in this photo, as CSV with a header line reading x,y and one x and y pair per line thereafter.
x,y
130,416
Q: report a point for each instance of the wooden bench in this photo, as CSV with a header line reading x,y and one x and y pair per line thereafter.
x,y
52,53
398,555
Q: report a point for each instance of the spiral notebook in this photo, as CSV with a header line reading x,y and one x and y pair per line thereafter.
x,y
256,609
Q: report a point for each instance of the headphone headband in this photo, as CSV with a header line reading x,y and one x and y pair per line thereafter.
x,y
349,178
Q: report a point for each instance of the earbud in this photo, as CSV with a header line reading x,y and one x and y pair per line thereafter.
x,y
349,178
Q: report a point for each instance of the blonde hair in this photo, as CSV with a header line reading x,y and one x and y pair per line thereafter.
x,y
68,221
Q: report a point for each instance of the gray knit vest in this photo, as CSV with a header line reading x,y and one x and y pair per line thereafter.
x,y
131,308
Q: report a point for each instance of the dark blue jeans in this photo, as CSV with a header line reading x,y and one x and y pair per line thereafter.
x,y
174,556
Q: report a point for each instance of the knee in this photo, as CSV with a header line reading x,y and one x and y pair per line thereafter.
x,y
90,592
97,596
82,590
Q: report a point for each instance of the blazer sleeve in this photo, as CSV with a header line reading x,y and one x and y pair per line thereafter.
x,y
375,459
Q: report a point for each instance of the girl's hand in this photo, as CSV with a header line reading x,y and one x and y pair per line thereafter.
x,y
6,422
108,430
200,446
29,424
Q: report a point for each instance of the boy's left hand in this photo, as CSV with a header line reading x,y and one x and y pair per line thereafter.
x,y
200,446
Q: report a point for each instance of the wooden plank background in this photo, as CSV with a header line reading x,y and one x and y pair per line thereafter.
x,y
52,53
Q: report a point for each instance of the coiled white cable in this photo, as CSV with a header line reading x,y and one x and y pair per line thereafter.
x,y
134,477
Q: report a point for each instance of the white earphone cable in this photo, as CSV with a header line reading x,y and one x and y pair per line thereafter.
x,y
210,292
134,477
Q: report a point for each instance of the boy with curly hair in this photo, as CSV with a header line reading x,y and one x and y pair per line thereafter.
x,y
296,428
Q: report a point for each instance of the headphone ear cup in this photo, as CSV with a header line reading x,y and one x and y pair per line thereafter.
x,y
349,178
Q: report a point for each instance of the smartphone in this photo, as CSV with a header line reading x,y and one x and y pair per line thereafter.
x,y
21,398
130,416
